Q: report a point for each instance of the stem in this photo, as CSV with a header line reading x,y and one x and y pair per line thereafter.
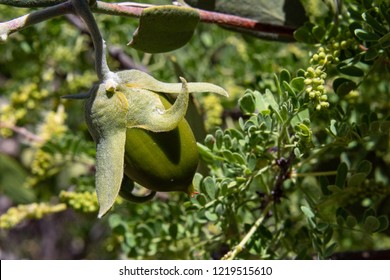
x,y
316,174
229,21
22,131
31,3
17,24
83,10
237,249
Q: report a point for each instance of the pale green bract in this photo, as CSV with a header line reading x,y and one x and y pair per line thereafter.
x,y
134,102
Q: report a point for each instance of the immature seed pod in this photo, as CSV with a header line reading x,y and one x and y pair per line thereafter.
x,y
138,132
162,161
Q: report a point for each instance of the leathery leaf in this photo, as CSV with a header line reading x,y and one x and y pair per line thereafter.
x,y
164,28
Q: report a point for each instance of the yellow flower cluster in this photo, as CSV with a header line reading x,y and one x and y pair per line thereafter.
x,y
26,99
316,74
54,124
81,201
20,213
213,111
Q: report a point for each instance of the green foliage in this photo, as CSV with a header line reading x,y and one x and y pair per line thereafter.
x,y
165,28
294,164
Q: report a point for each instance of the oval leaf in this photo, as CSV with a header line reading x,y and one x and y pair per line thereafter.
x,y
164,28
343,86
366,36
350,70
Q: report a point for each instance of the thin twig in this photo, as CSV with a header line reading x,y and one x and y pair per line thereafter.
x,y
229,21
31,3
83,10
17,24
116,52
240,247
23,132
226,20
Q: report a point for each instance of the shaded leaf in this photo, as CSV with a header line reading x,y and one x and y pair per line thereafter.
x,y
350,70
364,166
343,86
342,172
164,28
371,224
318,32
356,179
247,104
383,223
366,36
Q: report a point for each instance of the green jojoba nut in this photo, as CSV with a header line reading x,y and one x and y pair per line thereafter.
x,y
139,133
162,161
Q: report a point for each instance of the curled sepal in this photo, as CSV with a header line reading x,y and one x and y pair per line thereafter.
x,y
126,192
106,118
138,79
147,111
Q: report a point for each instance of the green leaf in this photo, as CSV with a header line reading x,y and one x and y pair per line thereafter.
x,y
201,199
212,217
173,230
385,41
206,154
371,224
364,166
385,11
284,76
366,36
384,223
374,23
371,54
164,28
355,14
350,70
304,35
308,212
318,32
247,103
369,212
330,250
356,179
269,99
342,172
302,117
209,187
342,213
261,103
343,86
298,84
289,89
351,221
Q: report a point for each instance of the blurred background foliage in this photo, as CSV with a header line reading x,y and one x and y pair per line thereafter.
x,y
301,144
